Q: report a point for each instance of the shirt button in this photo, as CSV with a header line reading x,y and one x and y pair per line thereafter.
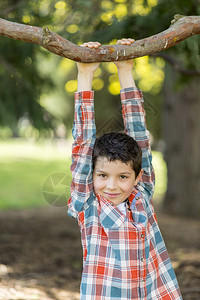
x,y
136,198
111,204
142,235
143,281
142,259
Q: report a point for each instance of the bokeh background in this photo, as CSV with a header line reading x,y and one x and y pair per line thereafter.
x,y
40,252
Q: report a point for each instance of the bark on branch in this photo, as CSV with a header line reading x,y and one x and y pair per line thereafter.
x,y
182,28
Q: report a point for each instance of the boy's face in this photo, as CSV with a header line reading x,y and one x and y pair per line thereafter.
x,y
114,180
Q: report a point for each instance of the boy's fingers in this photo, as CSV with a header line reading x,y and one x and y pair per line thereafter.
x,y
131,40
94,44
128,39
97,44
84,45
91,44
125,41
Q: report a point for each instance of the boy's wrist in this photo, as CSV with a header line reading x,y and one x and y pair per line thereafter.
x,y
85,81
88,75
124,70
124,67
86,72
126,78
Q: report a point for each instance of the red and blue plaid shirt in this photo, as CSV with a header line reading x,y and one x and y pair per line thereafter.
x,y
124,256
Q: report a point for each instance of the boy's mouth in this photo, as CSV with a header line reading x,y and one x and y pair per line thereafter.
x,y
112,195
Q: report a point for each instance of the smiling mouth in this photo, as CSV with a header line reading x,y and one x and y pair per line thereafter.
x,y
112,195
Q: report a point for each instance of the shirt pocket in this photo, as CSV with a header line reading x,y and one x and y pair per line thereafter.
x,y
124,244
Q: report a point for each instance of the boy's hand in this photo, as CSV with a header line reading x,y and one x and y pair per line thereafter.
x,y
89,67
127,64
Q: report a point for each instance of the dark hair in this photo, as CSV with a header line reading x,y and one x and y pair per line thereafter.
x,y
118,146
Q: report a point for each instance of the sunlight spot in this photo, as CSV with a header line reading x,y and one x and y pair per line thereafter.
x,y
113,78
66,64
160,62
111,67
150,74
114,88
144,85
71,86
59,13
60,5
72,28
98,84
107,17
106,5
98,72
120,1
120,11
152,2
26,19
44,8
140,9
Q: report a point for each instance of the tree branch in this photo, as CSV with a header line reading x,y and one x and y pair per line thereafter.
x,y
181,29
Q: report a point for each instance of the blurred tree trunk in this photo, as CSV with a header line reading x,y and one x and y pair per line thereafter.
x,y
182,136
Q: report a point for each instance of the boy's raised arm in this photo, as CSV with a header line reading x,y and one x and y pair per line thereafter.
x,y
84,134
134,117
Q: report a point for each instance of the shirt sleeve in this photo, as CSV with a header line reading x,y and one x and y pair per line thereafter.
x,y
84,134
134,117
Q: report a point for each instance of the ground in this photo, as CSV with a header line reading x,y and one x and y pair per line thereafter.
x,y
40,254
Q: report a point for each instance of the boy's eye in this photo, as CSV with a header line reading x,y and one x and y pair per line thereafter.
x,y
123,176
102,175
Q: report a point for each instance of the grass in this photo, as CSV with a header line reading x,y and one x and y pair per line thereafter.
x,y
27,168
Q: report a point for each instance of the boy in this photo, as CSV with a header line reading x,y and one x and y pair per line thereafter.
x,y
124,255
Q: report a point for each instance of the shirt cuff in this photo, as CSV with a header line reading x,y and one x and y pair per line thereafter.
x,y
84,96
131,93
132,88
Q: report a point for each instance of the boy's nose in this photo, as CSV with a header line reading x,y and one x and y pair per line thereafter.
x,y
111,184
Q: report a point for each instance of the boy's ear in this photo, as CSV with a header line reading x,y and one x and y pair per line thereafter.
x,y
138,177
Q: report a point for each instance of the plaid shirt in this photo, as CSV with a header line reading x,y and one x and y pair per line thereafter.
x,y
124,256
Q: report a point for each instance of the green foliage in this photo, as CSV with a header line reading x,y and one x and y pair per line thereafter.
x,y
33,80
21,84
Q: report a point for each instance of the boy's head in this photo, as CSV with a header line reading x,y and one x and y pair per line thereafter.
x,y
117,162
